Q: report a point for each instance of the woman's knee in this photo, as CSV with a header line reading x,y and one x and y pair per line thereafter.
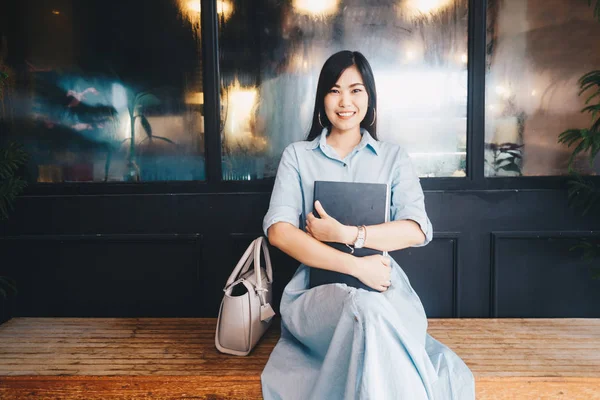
x,y
369,304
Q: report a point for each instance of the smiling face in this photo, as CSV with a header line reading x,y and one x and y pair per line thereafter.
x,y
347,102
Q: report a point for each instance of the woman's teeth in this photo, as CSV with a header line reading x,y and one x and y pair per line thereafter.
x,y
345,114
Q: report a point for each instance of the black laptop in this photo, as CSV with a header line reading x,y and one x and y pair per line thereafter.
x,y
351,203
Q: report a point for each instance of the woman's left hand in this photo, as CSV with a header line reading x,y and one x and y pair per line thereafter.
x,y
326,228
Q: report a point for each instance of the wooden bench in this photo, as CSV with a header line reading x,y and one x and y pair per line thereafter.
x,y
101,358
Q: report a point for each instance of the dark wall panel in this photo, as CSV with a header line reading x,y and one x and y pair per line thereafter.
x,y
433,271
535,274
149,260
112,276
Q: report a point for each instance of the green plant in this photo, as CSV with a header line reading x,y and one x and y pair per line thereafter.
x,y
590,251
583,194
12,157
138,104
504,157
8,287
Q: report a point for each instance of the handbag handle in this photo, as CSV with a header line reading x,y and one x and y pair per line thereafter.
x,y
243,264
261,243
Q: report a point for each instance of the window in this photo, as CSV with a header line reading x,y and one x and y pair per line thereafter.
x,y
537,51
271,54
107,90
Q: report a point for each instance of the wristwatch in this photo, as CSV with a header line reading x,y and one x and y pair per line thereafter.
x,y
360,239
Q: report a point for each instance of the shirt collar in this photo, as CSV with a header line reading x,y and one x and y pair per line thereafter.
x,y
367,140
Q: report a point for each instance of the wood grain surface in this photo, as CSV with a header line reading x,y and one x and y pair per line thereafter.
x,y
160,358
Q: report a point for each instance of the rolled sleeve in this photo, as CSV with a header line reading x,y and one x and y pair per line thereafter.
x,y
407,198
286,199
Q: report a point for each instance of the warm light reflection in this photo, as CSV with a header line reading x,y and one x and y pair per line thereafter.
x,y
55,12
464,58
417,8
239,118
194,5
224,8
194,98
316,7
503,92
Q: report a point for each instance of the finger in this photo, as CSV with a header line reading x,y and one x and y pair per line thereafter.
x,y
311,216
320,209
385,261
382,288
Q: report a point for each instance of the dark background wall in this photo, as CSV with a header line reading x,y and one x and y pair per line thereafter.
x,y
503,253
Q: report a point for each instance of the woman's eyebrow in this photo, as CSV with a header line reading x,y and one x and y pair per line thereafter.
x,y
354,84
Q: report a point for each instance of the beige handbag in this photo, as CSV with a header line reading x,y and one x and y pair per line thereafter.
x,y
246,311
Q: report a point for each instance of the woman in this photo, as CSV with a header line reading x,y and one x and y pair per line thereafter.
x,y
338,342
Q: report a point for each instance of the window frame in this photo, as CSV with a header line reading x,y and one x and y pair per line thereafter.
x,y
475,179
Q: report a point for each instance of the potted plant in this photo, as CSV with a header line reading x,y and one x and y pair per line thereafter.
x,y
583,194
12,158
138,105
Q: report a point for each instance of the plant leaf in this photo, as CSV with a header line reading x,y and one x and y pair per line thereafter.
x,y
165,139
570,136
8,283
512,167
146,99
146,125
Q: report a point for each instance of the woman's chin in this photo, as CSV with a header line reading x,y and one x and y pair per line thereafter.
x,y
346,126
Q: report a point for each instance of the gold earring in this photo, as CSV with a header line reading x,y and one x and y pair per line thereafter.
x,y
374,117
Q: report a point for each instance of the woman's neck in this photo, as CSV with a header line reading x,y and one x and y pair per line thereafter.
x,y
344,140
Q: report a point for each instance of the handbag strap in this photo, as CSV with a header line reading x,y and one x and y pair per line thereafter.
x,y
261,243
241,263
246,260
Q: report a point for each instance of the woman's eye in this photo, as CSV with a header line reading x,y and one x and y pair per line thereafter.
x,y
334,91
357,91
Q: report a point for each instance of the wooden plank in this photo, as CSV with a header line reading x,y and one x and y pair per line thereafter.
x,y
138,387
243,387
95,358
495,388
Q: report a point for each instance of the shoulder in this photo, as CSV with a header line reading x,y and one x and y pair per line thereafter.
x,y
392,150
298,148
293,152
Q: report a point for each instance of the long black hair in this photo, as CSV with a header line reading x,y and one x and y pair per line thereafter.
x,y
330,73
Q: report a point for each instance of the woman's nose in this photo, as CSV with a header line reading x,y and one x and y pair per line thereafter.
x,y
345,100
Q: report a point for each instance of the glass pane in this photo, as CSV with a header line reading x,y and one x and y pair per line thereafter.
x,y
537,51
106,90
272,53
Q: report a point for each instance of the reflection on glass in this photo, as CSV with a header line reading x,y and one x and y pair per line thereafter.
x,y
192,8
316,7
537,50
271,57
107,90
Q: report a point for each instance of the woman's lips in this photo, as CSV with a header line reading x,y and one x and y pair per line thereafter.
x,y
346,114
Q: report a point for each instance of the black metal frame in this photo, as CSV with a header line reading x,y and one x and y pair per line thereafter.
x,y
474,181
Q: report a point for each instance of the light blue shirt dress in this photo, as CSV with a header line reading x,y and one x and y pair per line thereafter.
x,y
338,342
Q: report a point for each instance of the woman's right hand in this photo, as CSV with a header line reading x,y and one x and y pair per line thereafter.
x,y
374,271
